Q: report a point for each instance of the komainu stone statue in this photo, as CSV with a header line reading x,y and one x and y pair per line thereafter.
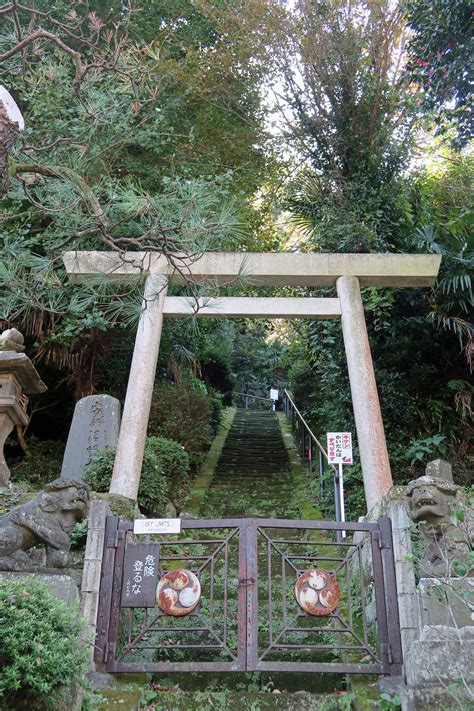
x,y
436,505
47,520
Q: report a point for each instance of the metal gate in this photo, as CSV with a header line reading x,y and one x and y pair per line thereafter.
x,y
249,594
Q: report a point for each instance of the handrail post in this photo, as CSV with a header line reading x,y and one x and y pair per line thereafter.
x,y
321,475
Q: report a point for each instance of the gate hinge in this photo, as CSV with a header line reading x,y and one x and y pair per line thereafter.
x,y
382,542
113,542
387,651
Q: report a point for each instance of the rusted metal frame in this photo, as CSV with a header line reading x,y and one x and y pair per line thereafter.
x,y
280,552
251,552
363,596
133,644
274,644
211,594
242,623
143,630
347,544
269,584
222,643
391,598
283,587
318,525
226,588
180,666
116,596
381,612
364,644
177,629
105,591
326,667
350,554
345,630
320,647
349,594
303,557
212,557
314,647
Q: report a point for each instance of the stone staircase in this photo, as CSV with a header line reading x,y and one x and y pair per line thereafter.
x,y
252,476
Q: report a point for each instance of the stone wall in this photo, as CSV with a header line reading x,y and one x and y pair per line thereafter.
x,y
436,622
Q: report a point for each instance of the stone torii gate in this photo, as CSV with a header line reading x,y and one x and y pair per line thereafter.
x,y
348,272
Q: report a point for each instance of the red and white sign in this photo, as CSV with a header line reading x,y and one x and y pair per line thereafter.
x,y
340,448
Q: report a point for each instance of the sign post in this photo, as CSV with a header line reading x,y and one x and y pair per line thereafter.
x,y
340,453
274,395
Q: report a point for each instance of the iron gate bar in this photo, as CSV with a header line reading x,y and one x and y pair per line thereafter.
x,y
390,584
247,655
237,663
256,661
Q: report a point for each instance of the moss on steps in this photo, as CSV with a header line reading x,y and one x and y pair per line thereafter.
x,y
129,697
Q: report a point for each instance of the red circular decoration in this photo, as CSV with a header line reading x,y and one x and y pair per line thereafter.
x,y
178,592
317,592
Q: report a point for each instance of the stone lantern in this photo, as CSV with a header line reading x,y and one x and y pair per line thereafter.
x,y
18,378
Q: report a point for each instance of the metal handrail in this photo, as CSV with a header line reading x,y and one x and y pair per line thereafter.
x,y
303,431
310,432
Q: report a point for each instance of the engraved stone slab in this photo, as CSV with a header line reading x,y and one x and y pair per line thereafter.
x,y
439,469
95,425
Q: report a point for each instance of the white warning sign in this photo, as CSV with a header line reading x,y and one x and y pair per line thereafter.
x,y
339,448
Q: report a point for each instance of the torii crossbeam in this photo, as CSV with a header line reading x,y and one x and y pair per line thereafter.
x,y
345,271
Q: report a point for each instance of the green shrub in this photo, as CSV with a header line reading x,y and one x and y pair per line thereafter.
x,y
164,473
184,414
40,652
43,466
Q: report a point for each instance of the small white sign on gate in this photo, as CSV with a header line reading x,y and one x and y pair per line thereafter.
x,y
339,448
157,525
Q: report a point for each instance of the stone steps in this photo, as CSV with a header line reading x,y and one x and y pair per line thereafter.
x,y
252,474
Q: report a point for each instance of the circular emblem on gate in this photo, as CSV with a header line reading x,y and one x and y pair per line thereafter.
x,y
317,592
178,592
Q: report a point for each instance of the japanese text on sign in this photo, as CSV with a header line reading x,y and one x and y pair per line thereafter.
x,y
339,448
140,573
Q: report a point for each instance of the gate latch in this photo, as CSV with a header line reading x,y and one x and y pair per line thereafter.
x,y
246,581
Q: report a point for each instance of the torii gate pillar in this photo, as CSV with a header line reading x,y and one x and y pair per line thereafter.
x,y
136,411
365,400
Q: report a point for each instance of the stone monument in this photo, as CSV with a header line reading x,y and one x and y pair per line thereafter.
x,y
95,425
18,378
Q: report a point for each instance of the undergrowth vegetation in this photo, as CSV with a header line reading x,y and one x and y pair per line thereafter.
x,y
164,474
40,653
